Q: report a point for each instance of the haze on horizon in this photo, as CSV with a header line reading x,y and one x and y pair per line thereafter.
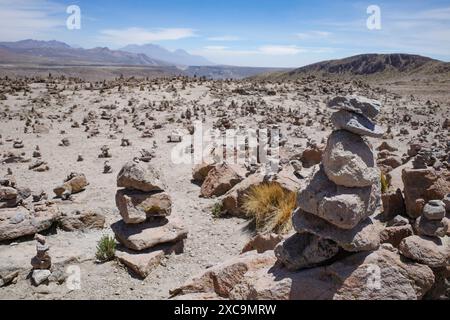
x,y
263,33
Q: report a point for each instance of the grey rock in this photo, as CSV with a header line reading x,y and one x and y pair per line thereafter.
x,y
136,206
305,250
367,107
356,123
348,160
149,234
341,206
434,210
364,237
40,276
431,252
135,176
431,228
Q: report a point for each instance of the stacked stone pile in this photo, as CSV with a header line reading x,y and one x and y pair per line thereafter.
x,y
147,230
42,262
335,211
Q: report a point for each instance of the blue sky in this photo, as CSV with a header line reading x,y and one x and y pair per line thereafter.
x,y
279,33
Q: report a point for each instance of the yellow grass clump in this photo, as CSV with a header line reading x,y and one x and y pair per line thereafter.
x,y
271,206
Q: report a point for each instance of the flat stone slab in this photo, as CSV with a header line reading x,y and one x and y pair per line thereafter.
x,y
364,237
304,250
149,234
356,124
367,107
19,222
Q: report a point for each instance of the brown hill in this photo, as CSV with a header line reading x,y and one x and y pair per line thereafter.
x,y
371,66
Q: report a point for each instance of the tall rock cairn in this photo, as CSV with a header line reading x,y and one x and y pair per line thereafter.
x,y
147,230
335,211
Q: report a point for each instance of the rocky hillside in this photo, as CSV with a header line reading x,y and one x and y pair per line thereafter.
x,y
370,66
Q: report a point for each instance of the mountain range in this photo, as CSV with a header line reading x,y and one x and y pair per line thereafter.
x,y
59,53
177,57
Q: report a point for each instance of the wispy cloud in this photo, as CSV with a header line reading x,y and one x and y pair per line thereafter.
x,y
21,19
142,36
280,50
224,38
313,35
265,50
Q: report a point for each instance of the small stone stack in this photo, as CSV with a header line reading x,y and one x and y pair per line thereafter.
x,y
147,229
42,262
335,210
429,246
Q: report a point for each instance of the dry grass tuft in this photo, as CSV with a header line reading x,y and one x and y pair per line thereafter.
x,y
271,207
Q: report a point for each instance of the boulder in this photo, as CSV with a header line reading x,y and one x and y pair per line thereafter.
x,y
364,237
305,250
149,234
431,228
434,210
263,242
8,193
136,176
19,222
361,105
393,204
423,185
200,171
222,278
219,181
432,252
311,156
349,279
380,275
356,124
348,160
136,206
75,183
395,234
140,263
86,220
342,206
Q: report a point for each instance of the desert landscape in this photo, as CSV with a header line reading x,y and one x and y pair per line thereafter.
x,y
127,176
55,129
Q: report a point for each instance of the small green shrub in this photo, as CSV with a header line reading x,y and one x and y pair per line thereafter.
x,y
106,248
217,210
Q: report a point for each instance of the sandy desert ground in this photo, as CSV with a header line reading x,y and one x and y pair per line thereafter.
x,y
43,113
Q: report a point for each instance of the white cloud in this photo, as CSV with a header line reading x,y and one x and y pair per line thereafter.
x,y
313,35
224,38
143,36
280,50
216,48
20,19
266,50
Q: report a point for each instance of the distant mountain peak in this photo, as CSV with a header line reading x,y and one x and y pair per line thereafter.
x,y
178,57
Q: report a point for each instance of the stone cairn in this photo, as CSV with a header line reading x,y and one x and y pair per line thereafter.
x,y
335,211
147,230
42,262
